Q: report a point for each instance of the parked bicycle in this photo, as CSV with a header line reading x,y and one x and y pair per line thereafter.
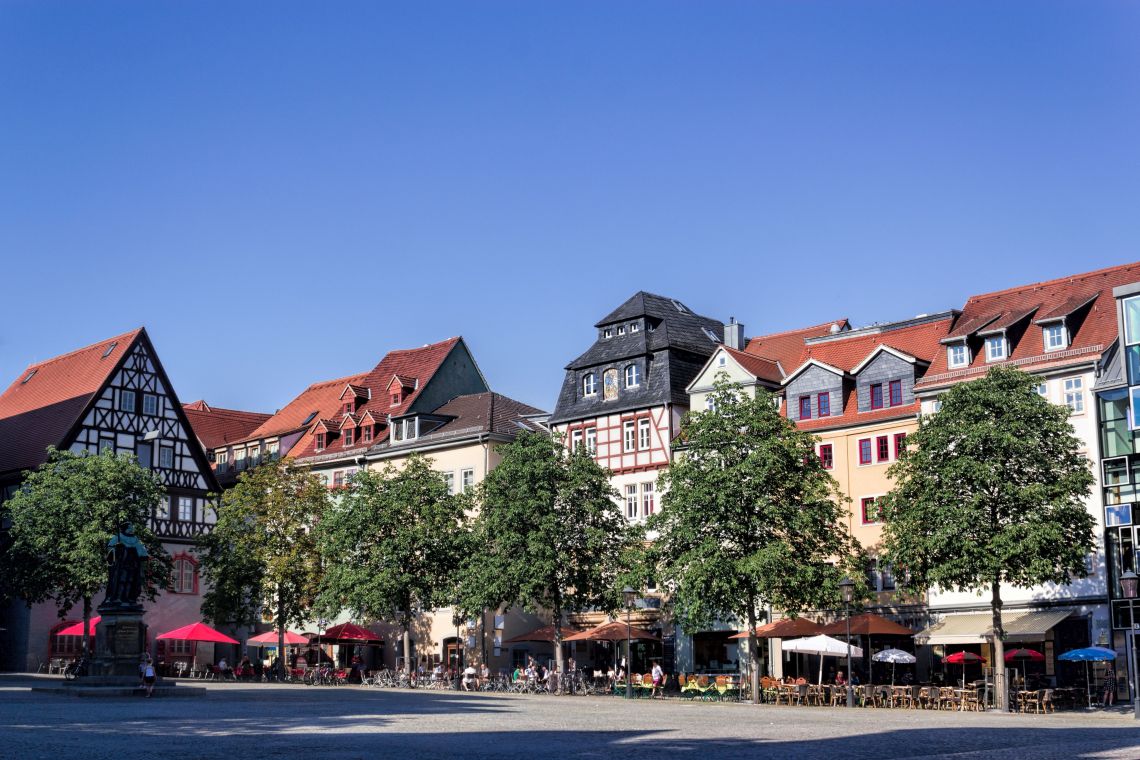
x,y
76,669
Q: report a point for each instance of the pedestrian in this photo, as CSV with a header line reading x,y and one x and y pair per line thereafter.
x,y
1109,686
149,678
658,677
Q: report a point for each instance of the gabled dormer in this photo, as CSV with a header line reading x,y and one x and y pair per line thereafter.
x,y
353,397
324,432
814,390
400,388
370,426
885,378
1060,324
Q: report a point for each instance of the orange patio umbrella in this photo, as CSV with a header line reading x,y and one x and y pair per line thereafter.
x,y
785,628
544,634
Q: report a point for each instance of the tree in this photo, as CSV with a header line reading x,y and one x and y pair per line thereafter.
x,y
749,517
990,492
261,554
391,545
549,534
62,517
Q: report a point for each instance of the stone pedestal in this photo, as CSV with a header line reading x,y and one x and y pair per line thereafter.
x,y
120,640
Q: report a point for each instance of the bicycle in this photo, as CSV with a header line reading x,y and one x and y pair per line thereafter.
x,y
76,669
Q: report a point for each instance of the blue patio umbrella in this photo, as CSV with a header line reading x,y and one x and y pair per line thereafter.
x,y
1087,655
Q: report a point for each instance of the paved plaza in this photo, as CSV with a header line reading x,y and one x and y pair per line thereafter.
x,y
342,723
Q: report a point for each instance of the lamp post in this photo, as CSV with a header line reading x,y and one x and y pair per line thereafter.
x,y
458,651
1128,582
847,589
629,594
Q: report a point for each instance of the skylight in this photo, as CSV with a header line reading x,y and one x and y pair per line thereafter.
x,y
711,335
680,307
110,348
309,419
29,377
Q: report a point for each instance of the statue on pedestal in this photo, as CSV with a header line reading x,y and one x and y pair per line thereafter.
x,y
125,557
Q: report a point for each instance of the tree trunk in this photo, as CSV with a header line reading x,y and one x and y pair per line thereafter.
x,y
408,664
753,653
1001,696
559,665
280,638
86,625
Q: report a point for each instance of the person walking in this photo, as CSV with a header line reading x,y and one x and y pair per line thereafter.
x,y
149,677
1109,686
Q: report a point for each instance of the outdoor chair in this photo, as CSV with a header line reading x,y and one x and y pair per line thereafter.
x,y
837,697
769,690
947,699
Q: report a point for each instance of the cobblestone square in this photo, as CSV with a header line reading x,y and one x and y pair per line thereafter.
x,y
345,723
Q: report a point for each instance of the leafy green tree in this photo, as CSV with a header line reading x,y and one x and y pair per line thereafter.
x,y
990,492
62,517
749,517
261,554
391,545
549,534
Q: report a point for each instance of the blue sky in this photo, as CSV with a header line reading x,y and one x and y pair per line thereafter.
x,y
282,192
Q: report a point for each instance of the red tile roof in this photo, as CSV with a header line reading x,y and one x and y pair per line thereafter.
x,y
786,347
322,398
764,369
40,412
215,426
1087,297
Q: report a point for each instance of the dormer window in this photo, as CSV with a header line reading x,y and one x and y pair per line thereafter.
x,y
805,407
319,445
608,333
631,377
395,399
621,330
409,428
634,327
995,348
1055,337
348,437
590,385
366,434
957,356
877,396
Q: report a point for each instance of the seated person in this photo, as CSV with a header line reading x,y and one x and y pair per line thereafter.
x,y
840,679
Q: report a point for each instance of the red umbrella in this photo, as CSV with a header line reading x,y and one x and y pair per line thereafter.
x,y
270,638
197,632
1024,655
76,629
964,657
349,632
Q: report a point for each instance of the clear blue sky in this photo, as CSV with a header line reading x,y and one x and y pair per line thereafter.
x,y
282,192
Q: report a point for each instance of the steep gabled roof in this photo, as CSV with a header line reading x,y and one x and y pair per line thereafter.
x,y
760,367
1084,300
319,400
216,426
48,399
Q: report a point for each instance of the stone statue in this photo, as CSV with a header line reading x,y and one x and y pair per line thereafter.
x,y
125,556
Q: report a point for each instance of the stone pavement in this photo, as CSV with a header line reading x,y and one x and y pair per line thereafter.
x,y
244,722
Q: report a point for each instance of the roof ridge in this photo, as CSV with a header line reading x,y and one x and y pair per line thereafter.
x,y
345,379
423,347
1055,281
799,329
88,347
757,357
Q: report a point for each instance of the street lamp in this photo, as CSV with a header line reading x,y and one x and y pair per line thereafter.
x,y
1128,582
629,595
847,589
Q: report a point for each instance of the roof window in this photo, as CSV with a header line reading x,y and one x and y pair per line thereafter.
x,y
310,418
110,348
711,335
29,376
680,307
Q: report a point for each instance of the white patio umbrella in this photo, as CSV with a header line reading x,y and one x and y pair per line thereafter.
x,y
894,656
825,646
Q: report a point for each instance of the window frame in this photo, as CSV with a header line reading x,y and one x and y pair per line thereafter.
x,y
347,437
823,404
864,502
166,457
629,436
631,501
591,439
319,441
184,579
1074,394
181,513
152,397
644,434
882,449
900,444
466,479
952,350
576,437
648,499
805,400
873,390
826,455
631,371
865,449
589,385
893,386
990,343
1062,335
124,394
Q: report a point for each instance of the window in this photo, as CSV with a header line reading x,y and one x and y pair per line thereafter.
x,y
254,455
865,451
647,499
995,348
162,510
107,444
883,448
607,333
1054,336
722,360
631,501
126,401
621,330
630,436
643,433
896,393
900,444
110,348
366,434
466,479
590,385
886,577
223,459
166,457
634,327
1074,394
320,443
449,479
823,404
877,396
1042,389
150,404
826,456
239,458
870,510
957,355
185,509
29,376
575,440
710,404
631,378
591,441
348,437
395,399
184,578
805,407
338,479
937,405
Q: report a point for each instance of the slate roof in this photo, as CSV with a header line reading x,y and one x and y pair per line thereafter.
x,y
1091,321
673,350
42,411
216,426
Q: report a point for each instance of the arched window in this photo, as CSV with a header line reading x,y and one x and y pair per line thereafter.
x,y
590,385
184,577
631,378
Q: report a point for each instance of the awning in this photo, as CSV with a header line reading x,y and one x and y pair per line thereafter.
x,y
977,628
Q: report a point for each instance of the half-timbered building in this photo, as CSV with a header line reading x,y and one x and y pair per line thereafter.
x,y
112,395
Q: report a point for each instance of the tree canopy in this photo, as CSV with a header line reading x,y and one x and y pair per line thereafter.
x,y
990,492
261,556
550,536
62,517
749,517
391,544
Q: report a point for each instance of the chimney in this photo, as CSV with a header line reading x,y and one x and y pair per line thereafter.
x,y
734,334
